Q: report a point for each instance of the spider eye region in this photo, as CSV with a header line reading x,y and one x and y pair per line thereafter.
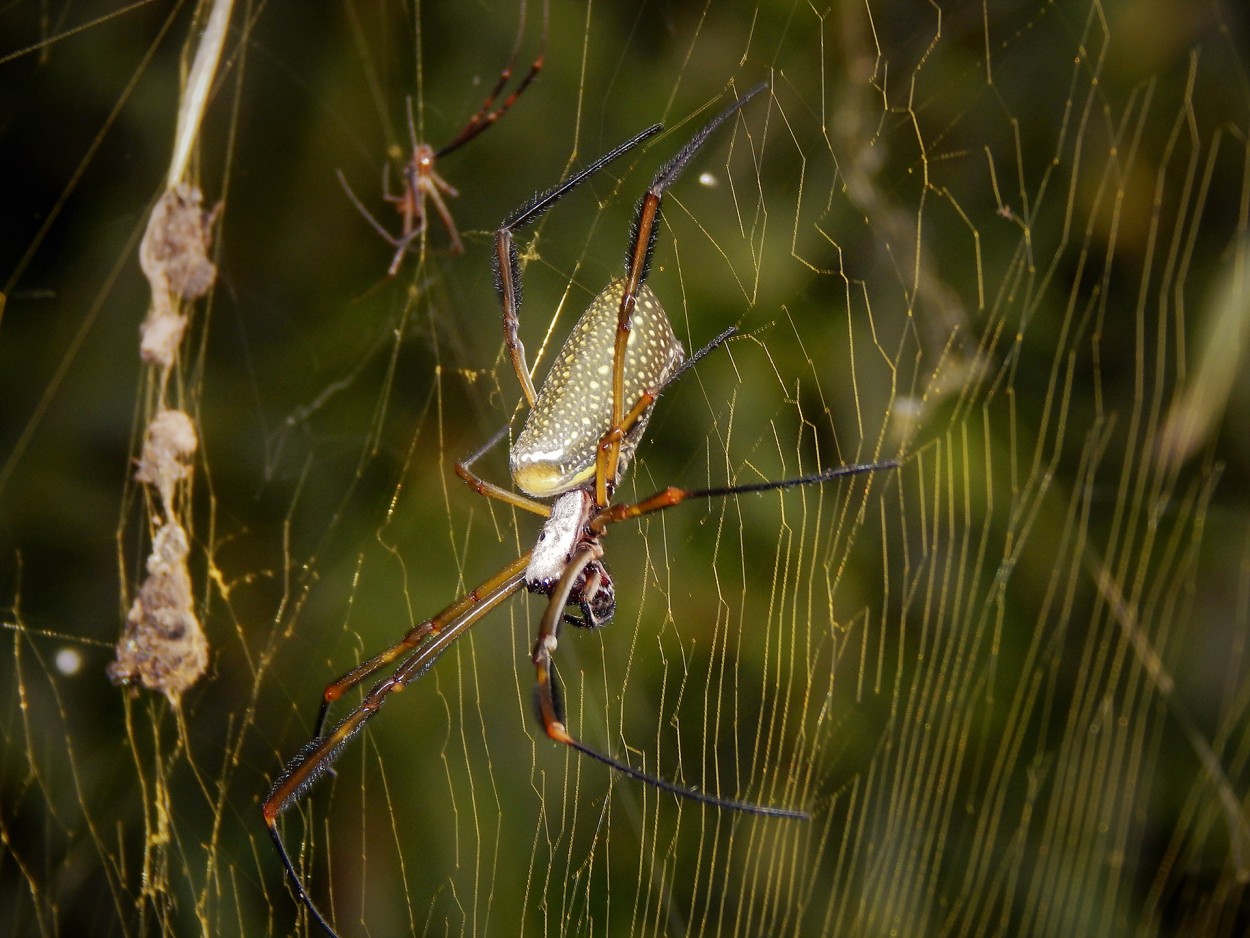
x,y
555,450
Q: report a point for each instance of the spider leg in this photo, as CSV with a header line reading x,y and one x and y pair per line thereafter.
x,y
387,195
400,244
368,216
412,123
668,497
698,356
297,883
507,263
443,185
604,455
429,639
490,489
401,248
646,229
411,202
485,116
551,709
413,639
431,186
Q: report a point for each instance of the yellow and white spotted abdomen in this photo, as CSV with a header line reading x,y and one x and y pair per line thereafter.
x,y
555,451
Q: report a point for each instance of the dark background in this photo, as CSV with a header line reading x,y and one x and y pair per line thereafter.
x,y
1009,679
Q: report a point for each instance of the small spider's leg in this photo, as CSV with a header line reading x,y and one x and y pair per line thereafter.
x,y
398,258
551,711
412,123
645,230
435,636
411,202
484,116
507,264
400,244
433,183
411,207
443,185
387,195
668,497
489,489
368,216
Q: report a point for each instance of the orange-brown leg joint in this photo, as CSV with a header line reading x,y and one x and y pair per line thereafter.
x,y
546,702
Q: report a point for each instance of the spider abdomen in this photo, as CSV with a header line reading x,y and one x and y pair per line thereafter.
x,y
555,450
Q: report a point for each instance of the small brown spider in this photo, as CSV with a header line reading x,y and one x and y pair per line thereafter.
x,y
422,181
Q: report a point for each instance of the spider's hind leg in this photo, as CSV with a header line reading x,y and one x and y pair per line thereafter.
x,y
550,699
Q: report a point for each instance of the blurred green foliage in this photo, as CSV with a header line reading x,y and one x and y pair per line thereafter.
x,y
1009,679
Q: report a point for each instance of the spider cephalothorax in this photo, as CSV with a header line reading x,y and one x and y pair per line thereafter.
x,y
566,533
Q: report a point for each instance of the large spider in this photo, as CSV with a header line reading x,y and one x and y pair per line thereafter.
x,y
581,431
422,181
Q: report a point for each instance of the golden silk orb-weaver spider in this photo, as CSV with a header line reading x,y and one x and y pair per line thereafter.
x,y
422,183
581,432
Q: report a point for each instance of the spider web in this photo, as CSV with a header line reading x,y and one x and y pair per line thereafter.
x,y
1005,244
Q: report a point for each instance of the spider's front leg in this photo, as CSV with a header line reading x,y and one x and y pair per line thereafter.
x,y
420,647
507,262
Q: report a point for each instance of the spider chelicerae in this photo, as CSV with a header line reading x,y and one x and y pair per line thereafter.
x,y
422,183
580,434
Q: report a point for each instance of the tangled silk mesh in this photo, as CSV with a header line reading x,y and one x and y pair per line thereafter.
x,y
1005,243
